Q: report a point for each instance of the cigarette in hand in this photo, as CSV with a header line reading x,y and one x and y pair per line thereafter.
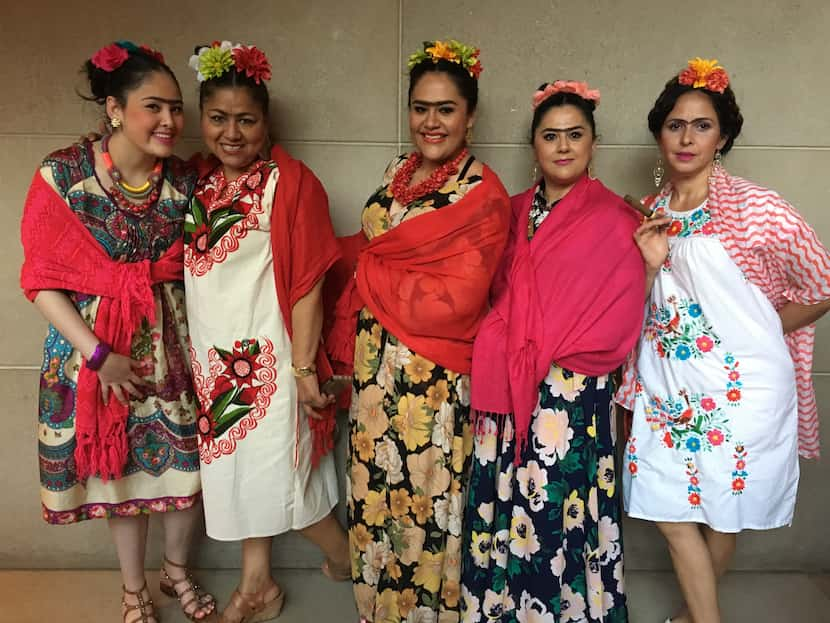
x,y
647,212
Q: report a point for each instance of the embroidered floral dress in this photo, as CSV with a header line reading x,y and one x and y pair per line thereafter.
x,y
542,536
410,444
714,437
162,470
254,446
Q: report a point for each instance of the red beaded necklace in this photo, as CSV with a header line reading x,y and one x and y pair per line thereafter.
x,y
406,194
124,194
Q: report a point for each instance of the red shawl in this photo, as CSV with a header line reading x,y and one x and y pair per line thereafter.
x,y
572,295
426,280
304,248
61,254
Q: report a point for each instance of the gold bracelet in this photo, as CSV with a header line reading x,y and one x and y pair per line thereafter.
x,y
303,371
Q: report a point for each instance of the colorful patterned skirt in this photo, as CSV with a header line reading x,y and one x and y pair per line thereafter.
x,y
542,537
410,443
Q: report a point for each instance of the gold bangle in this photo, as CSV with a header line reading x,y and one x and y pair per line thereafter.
x,y
303,371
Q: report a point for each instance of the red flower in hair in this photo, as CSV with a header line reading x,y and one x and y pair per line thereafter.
x,y
110,57
252,62
717,81
152,53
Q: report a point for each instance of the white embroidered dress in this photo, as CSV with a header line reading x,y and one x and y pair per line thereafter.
x,y
254,447
714,436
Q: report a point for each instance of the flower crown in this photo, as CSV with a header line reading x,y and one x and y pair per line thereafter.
x,y
112,56
566,86
218,58
704,74
453,51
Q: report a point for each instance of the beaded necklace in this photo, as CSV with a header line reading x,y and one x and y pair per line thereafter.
x,y
406,194
124,194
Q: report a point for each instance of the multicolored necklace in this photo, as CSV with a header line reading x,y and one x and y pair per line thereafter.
x,y
405,194
126,195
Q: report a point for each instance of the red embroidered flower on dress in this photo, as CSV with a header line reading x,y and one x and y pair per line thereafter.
x,y
707,404
201,239
668,440
704,343
252,62
715,437
241,364
738,484
632,467
694,499
110,57
733,395
675,228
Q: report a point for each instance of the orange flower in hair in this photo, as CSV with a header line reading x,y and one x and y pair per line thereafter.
x,y
704,74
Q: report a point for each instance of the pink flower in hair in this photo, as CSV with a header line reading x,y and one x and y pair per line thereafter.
x,y
110,57
566,86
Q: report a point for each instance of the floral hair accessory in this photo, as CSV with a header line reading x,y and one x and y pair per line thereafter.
x,y
112,56
704,74
218,58
566,86
453,51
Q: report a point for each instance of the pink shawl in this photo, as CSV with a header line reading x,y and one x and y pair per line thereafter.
x,y
572,295
782,255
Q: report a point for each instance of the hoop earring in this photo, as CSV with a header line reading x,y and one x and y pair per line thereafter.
x,y
115,122
591,175
658,172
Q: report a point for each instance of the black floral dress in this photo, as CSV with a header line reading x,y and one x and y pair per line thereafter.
x,y
410,444
542,535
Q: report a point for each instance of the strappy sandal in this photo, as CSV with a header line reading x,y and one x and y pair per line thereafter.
x,y
145,608
253,608
204,602
332,574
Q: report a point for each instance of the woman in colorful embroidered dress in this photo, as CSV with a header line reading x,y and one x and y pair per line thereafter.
x,y
103,263
432,236
721,388
542,537
258,242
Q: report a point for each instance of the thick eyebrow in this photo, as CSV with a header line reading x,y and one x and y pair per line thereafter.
x,y
576,127
227,114
153,98
692,121
441,103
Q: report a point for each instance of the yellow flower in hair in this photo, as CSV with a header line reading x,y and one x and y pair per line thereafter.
x,y
702,68
440,49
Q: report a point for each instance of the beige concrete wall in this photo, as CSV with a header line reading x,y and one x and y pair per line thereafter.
x,y
337,91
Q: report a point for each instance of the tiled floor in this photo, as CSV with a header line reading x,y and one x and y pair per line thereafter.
x,y
93,597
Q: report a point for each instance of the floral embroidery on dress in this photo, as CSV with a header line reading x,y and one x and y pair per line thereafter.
x,y
132,508
694,489
696,222
689,422
235,395
221,214
679,330
739,474
733,384
631,456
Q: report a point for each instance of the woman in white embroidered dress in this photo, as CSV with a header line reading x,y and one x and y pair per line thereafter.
x,y
258,240
720,387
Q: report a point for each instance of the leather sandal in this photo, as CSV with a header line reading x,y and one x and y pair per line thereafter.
x,y
145,608
204,602
252,607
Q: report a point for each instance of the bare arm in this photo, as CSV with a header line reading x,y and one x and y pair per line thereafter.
x,y
307,322
794,316
116,373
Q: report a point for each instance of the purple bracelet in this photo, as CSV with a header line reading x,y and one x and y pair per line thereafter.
x,y
100,353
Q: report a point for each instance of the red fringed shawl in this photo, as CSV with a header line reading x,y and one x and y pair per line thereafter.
x,y
426,280
61,254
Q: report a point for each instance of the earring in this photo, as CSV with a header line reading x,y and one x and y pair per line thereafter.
x,y
658,172
115,122
718,159
468,137
534,174
591,175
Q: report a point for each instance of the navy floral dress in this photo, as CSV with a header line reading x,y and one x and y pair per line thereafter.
x,y
542,536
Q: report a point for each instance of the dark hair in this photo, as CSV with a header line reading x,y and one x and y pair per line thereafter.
x,y
464,82
729,114
233,79
563,98
120,81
